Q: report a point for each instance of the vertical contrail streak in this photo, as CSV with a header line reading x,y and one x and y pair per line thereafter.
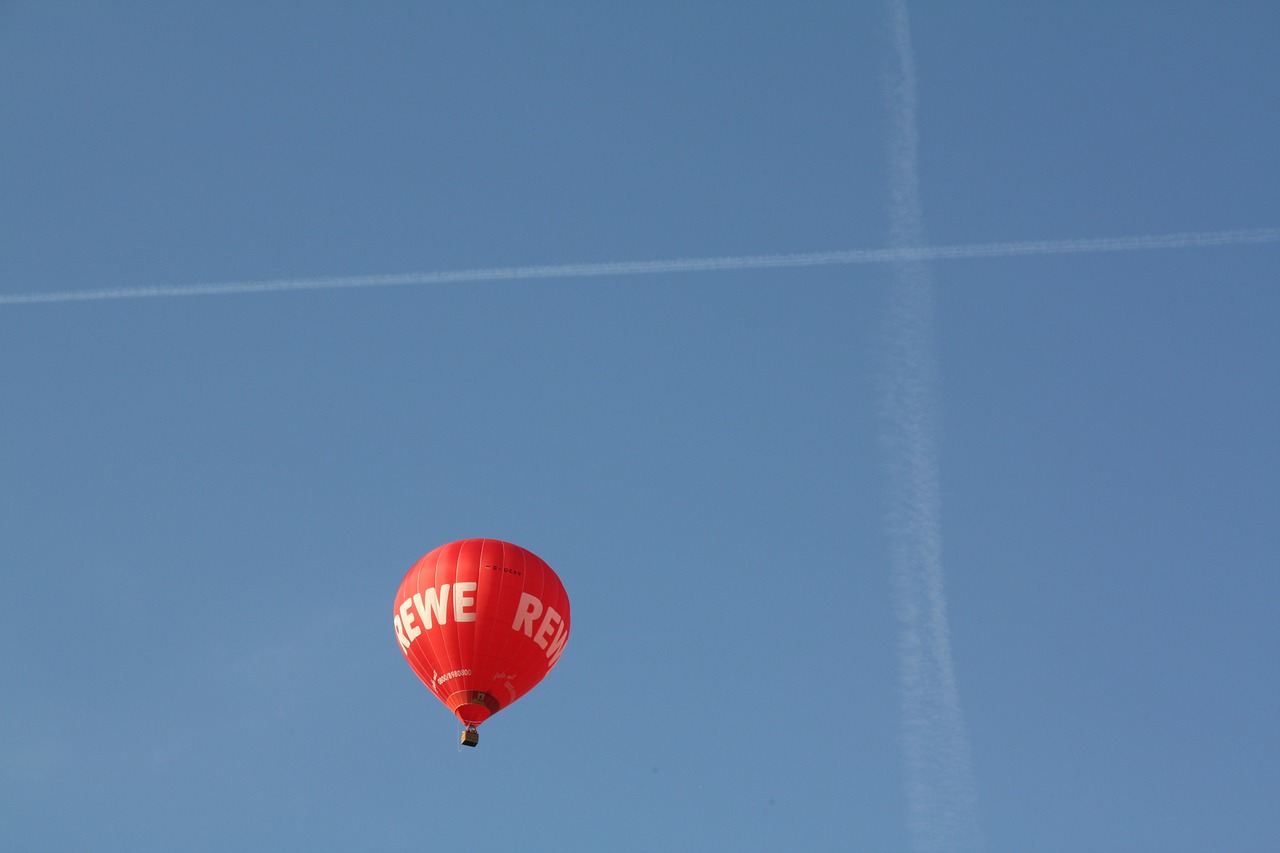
x,y
941,793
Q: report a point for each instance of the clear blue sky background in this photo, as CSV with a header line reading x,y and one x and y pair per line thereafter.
x,y
207,503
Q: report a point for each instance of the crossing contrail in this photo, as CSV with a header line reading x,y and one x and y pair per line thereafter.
x,y
893,255
940,787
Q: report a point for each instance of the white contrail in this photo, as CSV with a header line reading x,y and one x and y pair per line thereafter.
x,y
941,791
894,255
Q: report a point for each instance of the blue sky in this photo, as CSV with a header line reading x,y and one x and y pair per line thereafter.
x,y
207,502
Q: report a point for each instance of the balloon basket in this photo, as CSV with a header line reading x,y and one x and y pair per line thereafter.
x,y
470,737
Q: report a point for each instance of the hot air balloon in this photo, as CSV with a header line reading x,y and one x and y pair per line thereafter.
x,y
481,621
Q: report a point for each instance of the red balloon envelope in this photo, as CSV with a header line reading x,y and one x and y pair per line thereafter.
x,y
481,621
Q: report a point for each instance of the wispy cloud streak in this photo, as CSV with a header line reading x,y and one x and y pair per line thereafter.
x,y
941,792
907,251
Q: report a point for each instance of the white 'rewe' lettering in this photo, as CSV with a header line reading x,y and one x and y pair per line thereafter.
x,y
527,612
424,610
431,607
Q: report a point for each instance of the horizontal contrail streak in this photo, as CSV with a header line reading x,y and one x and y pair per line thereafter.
x,y
678,265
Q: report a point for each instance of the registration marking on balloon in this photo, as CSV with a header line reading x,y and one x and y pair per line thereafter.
x,y
478,619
